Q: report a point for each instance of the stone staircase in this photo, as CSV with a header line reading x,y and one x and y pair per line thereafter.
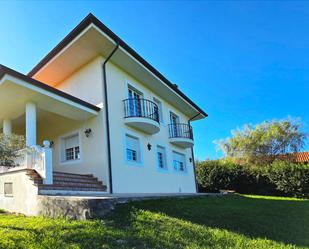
x,y
68,183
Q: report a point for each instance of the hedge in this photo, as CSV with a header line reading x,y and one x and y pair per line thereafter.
x,y
279,178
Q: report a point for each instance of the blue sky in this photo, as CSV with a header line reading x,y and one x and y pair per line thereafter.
x,y
242,62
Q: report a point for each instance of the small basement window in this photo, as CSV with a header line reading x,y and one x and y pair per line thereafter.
x,y
70,148
8,189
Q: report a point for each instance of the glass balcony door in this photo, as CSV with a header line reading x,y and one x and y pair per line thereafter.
x,y
135,106
174,124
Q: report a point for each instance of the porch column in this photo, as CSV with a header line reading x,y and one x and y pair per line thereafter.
x,y
30,124
48,162
7,127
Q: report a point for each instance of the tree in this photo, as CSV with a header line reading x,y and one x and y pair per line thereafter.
x,y
263,143
10,145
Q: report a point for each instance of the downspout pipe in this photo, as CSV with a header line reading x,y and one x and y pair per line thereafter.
x,y
109,155
192,154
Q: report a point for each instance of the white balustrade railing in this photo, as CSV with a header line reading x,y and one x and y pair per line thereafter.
x,y
37,158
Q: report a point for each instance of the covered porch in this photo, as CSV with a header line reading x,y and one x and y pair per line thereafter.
x,y
41,114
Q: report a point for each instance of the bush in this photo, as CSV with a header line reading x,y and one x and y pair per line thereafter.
x,y
9,147
279,178
290,179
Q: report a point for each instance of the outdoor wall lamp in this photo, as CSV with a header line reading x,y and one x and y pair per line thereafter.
x,y
149,146
88,132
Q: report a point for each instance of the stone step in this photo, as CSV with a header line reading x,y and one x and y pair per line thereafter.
x,y
75,176
71,193
37,182
75,180
71,188
68,182
75,184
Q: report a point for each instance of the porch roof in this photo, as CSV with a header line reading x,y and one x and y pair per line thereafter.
x,y
16,89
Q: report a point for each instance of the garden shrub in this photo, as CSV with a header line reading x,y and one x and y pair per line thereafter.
x,y
279,178
9,148
290,179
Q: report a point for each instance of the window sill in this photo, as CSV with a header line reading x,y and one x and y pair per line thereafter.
x,y
164,171
76,161
178,172
133,163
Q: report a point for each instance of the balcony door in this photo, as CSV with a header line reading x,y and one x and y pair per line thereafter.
x,y
135,106
174,124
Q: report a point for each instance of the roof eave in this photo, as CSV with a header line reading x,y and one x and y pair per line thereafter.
x,y
91,19
5,70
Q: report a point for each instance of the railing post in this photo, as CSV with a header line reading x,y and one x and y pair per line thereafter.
x,y
48,163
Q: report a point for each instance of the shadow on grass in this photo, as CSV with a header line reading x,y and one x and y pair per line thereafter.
x,y
203,222
284,221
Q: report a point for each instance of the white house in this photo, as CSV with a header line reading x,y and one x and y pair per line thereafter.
x,y
98,119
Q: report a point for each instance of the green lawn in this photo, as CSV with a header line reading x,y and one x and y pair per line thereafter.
x,y
203,222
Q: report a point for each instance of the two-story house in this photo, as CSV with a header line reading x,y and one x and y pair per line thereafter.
x,y
98,119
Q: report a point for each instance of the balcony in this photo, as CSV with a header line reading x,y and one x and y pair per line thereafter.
x,y
142,114
181,135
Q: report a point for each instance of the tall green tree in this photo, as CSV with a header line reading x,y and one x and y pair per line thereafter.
x,y
10,145
263,143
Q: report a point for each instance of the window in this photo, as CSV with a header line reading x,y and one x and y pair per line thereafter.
x,y
161,158
159,104
179,162
174,127
131,155
8,189
132,149
135,104
70,148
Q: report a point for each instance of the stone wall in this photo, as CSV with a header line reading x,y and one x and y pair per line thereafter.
x,y
75,207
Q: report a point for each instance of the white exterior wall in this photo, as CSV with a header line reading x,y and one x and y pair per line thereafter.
x,y
145,178
85,84
24,195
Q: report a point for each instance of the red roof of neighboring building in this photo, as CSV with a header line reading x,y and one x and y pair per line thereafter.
x,y
297,157
302,157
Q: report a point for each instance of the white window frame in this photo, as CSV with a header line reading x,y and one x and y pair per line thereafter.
x,y
129,84
185,171
62,152
165,169
12,189
129,162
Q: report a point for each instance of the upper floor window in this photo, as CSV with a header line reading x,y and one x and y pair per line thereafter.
x,y
174,126
179,161
135,103
161,157
70,147
132,149
160,111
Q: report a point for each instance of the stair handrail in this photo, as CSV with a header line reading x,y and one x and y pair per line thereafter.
x,y
41,161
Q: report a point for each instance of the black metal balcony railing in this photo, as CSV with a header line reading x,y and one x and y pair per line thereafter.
x,y
142,108
180,131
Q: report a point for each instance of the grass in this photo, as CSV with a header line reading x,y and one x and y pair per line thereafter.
x,y
203,222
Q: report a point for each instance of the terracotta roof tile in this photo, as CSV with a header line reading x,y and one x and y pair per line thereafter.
x,y
297,157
